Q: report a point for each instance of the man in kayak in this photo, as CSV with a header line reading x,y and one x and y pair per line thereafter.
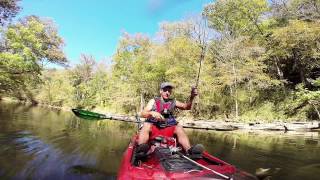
x,y
160,120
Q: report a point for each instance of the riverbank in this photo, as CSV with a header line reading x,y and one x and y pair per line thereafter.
x,y
230,126
13,100
217,125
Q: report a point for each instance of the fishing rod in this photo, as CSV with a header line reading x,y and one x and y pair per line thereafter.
x,y
200,64
202,43
204,167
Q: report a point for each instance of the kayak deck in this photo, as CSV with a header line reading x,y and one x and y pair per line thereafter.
x,y
161,165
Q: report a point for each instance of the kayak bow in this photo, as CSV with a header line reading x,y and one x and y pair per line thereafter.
x,y
165,161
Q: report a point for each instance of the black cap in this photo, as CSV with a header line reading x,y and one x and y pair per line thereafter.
x,y
166,84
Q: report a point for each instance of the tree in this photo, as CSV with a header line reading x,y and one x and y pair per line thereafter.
x,y
306,101
171,30
55,88
8,10
285,10
238,65
80,76
297,48
133,68
28,44
237,17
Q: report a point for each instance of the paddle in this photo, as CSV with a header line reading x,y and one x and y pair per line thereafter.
x,y
138,121
85,114
90,115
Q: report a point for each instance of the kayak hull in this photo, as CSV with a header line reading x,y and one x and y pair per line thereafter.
x,y
153,168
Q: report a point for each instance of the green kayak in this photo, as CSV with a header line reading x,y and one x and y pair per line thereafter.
x,y
89,115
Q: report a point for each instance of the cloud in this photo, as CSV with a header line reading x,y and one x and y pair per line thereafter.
x,y
155,5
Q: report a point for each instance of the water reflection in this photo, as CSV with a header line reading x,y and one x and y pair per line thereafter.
x,y
39,143
285,154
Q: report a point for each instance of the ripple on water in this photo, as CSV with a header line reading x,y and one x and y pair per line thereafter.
x,y
307,172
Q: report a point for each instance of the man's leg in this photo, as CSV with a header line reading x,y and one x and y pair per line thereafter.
x,y
182,138
144,133
195,152
140,152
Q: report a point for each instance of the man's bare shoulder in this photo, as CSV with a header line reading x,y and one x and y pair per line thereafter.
x,y
151,101
150,104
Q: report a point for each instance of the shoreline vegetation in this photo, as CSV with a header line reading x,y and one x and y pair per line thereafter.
x,y
259,64
216,125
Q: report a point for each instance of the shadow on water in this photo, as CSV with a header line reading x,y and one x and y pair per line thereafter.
x,y
87,169
39,143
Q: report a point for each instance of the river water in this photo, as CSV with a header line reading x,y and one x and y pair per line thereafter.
x,y
41,143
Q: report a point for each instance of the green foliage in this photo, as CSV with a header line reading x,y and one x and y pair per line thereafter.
x,y
180,60
262,65
35,40
55,88
306,101
297,48
82,78
238,67
265,112
237,17
28,44
86,85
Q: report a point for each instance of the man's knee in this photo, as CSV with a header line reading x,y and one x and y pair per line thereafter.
x,y
146,127
145,130
144,133
179,130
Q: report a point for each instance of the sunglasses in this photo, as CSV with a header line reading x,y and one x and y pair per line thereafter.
x,y
167,89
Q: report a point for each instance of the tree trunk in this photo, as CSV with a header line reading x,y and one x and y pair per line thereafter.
x,y
236,103
250,93
315,108
279,72
303,76
235,91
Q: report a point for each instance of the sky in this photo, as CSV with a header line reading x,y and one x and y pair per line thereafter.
x,y
95,27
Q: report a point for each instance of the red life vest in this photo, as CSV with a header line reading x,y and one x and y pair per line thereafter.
x,y
166,109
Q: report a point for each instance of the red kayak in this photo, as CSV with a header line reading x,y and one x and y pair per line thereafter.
x,y
165,160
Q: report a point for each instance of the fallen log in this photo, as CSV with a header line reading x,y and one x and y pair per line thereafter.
x,y
224,125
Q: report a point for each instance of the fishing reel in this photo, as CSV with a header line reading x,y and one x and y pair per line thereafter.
x,y
165,113
169,119
161,142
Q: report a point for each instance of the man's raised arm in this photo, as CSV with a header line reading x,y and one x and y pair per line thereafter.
x,y
187,105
